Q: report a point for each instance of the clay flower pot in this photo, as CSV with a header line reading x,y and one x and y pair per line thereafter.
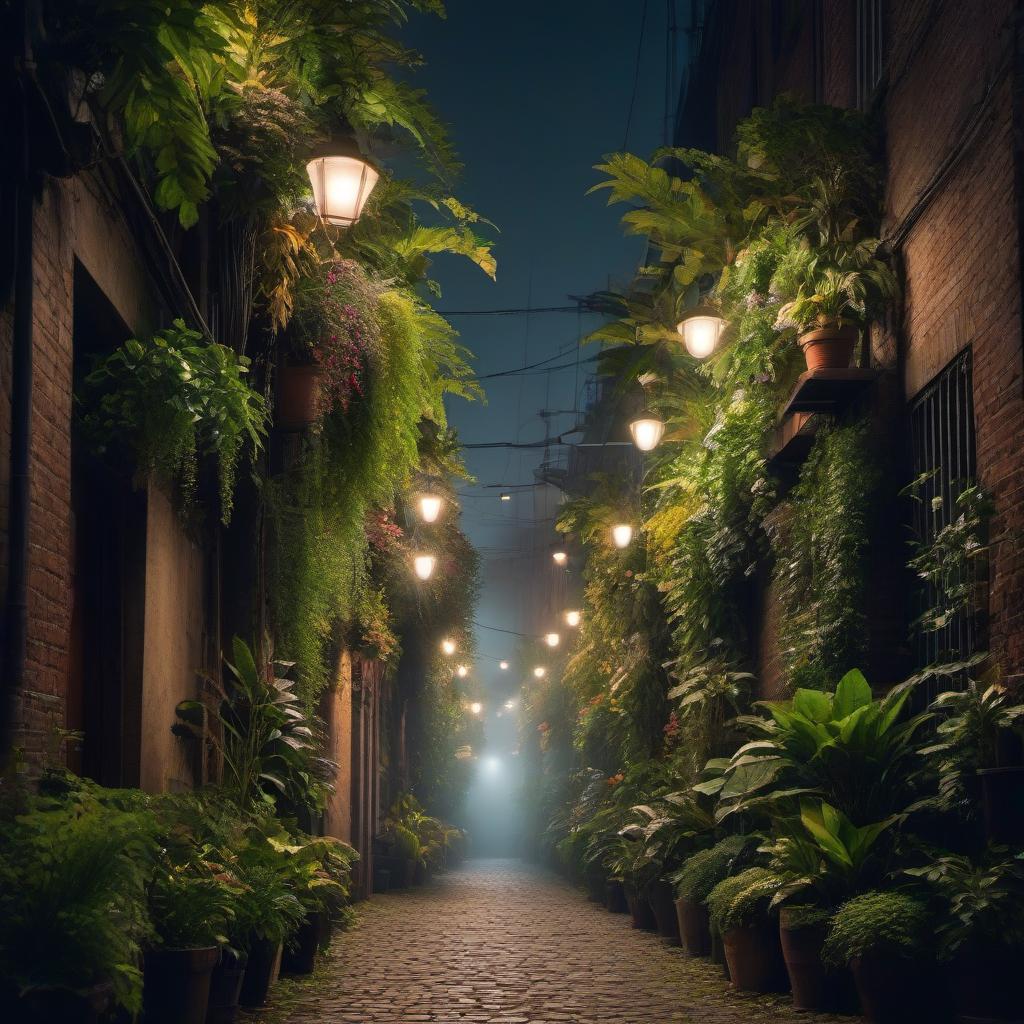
x,y
694,927
894,991
659,895
177,984
313,934
298,395
615,896
640,911
814,986
754,956
261,972
225,988
829,348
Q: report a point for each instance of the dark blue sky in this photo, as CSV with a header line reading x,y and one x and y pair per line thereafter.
x,y
536,92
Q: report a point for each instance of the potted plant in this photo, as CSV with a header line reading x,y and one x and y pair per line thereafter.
x,y
980,931
615,897
884,939
741,909
700,873
823,859
333,330
979,737
189,909
72,912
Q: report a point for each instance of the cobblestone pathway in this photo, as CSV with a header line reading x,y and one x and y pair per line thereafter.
x,y
502,943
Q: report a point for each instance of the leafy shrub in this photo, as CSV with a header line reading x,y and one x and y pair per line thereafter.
x,y
188,907
706,868
890,923
173,399
743,899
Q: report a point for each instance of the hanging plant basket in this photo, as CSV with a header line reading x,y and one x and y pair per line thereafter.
x,y
298,395
829,348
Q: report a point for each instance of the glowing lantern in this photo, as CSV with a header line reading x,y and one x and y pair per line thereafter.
x,y
503,665
342,182
560,557
448,646
551,639
430,507
701,331
462,671
424,566
539,671
572,618
647,430
622,535
476,707
504,496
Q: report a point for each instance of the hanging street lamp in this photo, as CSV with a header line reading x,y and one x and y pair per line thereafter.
x,y
430,506
701,330
462,671
342,180
552,639
539,671
503,665
572,618
647,430
448,646
424,566
476,707
505,496
622,534
560,557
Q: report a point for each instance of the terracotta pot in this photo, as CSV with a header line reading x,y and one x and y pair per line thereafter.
x,y
299,955
659,895
718,952
176,985
891,990
814,986
298,395
830,348
694,927
986,987
1002,798
640,911
754,955
46,1004
595,886
225,988
260,972
615,896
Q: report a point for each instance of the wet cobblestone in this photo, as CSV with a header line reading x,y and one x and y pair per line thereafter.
x,y
499,942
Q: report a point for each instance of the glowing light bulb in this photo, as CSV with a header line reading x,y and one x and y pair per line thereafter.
x,y
341,185
572,618
509,705
647,431
430,507
505,496
476,707
539,672
503,665
492,765
622,535
448,646
560,557
551,639
424,565
462,671
700,333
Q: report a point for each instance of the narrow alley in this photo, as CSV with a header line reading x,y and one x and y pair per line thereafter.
x,y
504,942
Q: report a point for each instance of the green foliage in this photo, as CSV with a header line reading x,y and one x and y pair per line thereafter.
x,y
742,900
189,907
852,750
703,870
820,550
172,400
73,897
889,924
979,902
262,735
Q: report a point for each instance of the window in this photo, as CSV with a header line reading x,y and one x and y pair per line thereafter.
x,y
870,50
942,436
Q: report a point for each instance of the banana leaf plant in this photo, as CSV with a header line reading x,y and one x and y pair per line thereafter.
x,y
823,856
847,748
260,733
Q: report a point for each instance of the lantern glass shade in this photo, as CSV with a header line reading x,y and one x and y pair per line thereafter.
x,y
647,431
560,557
503,665
701,333
341,186
424,566
448,646
462,671
622,535
539,672
551,639
476,707
430,507
572,618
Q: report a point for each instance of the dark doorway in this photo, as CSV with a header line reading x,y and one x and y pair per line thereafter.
x,y
109,548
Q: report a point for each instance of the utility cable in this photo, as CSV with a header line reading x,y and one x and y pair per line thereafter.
x,y
636,75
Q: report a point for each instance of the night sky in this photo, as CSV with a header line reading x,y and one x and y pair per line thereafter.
x,y
536,92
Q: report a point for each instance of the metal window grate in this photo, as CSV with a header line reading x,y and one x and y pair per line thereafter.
x,y
942,436
870,49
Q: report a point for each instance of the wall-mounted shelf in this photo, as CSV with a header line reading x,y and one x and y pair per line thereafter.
x,y
828,390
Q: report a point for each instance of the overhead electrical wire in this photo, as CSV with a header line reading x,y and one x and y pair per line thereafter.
x,y
533,366
519,311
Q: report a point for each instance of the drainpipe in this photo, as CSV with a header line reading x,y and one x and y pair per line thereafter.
x,y
15,625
